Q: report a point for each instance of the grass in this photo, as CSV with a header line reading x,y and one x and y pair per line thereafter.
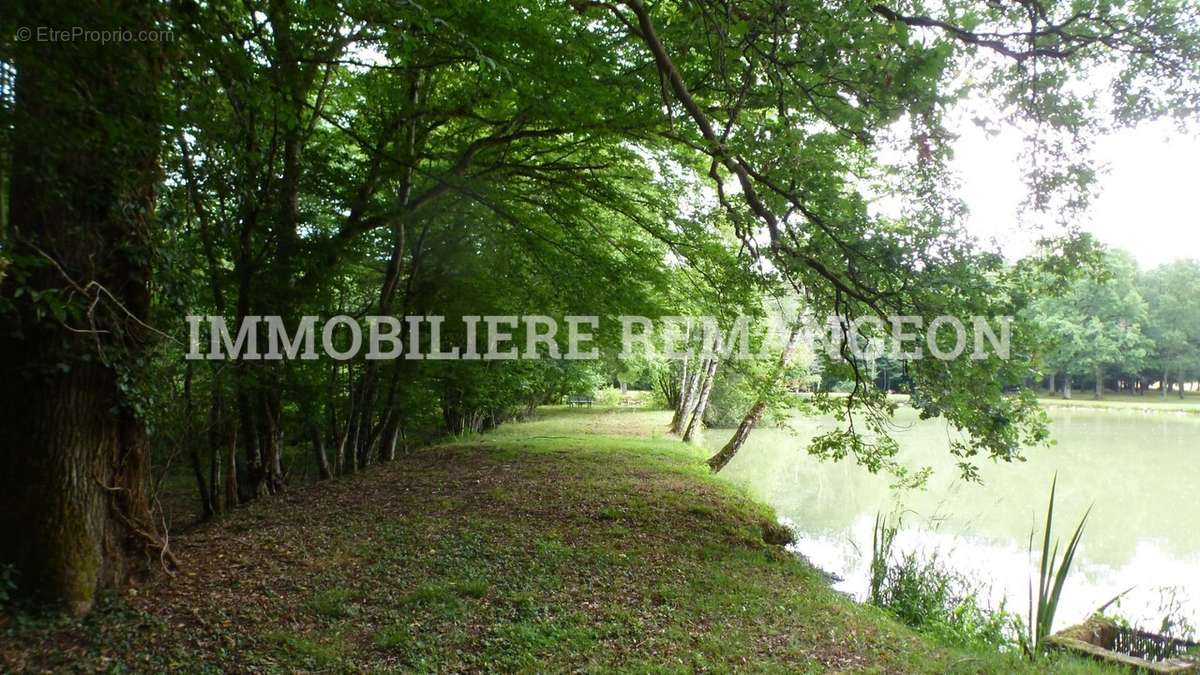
x,y
1151,402
1083,398
582,541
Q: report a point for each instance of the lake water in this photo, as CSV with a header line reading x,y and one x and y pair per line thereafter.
x,y
1139,471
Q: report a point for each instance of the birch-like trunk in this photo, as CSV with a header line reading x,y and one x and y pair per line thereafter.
x,y
697,414
726,453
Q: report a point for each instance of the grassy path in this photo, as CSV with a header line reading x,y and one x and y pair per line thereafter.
x,y
554,545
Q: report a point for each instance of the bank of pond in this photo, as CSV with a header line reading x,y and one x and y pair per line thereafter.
x,y
1137,471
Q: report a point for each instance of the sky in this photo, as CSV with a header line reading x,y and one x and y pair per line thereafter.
x,y
1148,199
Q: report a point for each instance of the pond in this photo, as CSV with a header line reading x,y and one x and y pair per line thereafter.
x,y
1140,471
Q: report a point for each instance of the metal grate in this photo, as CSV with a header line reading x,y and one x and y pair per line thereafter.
x,y
1149,646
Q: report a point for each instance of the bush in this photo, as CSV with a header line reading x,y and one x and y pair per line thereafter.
x,y
657,400
609,396
927,595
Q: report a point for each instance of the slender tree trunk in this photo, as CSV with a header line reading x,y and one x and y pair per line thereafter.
x,y
754,415
1067,386
232,495
685,393
216,434
318,444
218,427
730,449
74,514
271,430
696,418
1099,383
1162,390
387,443
254,472
189,438
1053,384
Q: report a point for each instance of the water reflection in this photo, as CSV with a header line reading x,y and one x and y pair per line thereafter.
x,y
1139,470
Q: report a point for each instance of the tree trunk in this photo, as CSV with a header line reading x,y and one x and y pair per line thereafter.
x,y
1053,384
727,452
318,444
206,498
684,400
217,433
1099,383
752,418
232,497
697,414
1067,386
1162,389
74,461
391,433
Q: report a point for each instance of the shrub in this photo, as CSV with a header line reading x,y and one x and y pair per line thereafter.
x,y
930,596
608,396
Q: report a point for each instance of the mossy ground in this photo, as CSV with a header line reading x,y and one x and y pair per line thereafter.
x,y
581,541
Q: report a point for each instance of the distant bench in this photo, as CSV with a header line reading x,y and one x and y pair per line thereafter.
x,y
579,400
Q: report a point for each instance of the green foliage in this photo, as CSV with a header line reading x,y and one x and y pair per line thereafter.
x,y
474,157
510,175
1098,323
1172,293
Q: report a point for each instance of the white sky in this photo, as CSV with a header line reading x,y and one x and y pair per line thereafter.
x,y
1147,202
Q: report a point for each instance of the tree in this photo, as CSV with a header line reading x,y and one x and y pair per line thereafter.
x,y
754,415
1095,323
505,157
788,103
74,514
1173,295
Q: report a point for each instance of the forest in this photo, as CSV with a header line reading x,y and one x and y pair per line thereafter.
x,y
734,159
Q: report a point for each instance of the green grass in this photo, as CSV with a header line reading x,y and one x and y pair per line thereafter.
x,y
585,540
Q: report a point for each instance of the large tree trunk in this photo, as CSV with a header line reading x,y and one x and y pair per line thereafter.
x,y
1067,386
73,451
1053,384
754,415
